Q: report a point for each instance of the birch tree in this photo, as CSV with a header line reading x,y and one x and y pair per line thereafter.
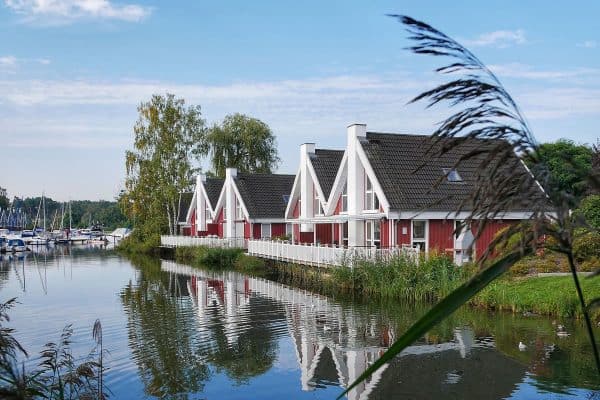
x,y
168,140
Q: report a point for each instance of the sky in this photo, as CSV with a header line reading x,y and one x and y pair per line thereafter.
x,y
72,73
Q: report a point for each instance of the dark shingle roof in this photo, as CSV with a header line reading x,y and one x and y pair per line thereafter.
x,y
409,168
265,195
326,164
213,188
185,199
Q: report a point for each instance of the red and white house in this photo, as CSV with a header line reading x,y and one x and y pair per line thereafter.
x,y
390,192
200,215
384,192
228,212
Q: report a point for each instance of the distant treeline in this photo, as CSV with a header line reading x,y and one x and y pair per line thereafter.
x,y
83,212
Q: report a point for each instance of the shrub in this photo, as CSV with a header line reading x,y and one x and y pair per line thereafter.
x,y
249,263
590,209
586,246
402,277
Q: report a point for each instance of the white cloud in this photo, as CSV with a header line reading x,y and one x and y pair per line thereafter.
x,y
43,61
588,44
498,39
8,61
64,11
517,70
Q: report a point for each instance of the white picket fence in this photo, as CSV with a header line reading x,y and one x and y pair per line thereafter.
x,y
318,255
207,241
306,254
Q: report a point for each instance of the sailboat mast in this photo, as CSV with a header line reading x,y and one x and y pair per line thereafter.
x,y
44,205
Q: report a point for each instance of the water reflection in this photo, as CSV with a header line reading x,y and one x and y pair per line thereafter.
x,y
177,332
240,318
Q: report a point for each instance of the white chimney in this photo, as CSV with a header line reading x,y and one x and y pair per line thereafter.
x,y
306,186
230,175
355,184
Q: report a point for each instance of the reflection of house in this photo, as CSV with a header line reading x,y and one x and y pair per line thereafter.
x,y
334,345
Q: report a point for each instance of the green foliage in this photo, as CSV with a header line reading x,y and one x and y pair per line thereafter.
x,y
83,213
209,257
248,263
590,210
552,295
167,138
401,277
241,142
569,165
586,245
4,202
137,244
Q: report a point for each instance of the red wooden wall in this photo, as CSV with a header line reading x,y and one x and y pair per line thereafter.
x,y
400,238
277,229
441,235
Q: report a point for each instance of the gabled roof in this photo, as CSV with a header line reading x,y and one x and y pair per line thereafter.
x,y
326,164
185,199
410,170
213,187
265,195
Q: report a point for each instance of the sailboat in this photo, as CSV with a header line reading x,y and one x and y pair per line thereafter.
x,y
38,236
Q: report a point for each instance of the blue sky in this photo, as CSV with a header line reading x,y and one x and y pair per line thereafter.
x,y
73,71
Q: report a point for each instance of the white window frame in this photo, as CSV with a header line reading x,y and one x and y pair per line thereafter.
x,y
239,211
371,200
344,235
317,206
371,229
263,228
344,199
207,214
417,241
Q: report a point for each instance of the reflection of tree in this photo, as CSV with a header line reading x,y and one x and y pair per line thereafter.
x,y
161,336
254,350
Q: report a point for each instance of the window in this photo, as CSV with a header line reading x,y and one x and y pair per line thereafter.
x,y
373,234
207,215
345,198
458,228
345,234
288,230
239,212
317,206
452,175
265,231
371,200
419,235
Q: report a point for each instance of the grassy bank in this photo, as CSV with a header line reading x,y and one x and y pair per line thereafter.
x,y
403,279
220,258
552,295
398,278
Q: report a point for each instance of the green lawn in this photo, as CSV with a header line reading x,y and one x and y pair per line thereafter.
x,y
554,295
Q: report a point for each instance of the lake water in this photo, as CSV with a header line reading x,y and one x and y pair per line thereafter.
x,y
178,332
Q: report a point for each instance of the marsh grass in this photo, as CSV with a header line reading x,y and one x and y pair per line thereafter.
x,y
58,375
401,277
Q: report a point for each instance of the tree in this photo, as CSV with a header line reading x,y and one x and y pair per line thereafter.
x,y
241,142
590,209
569,166
168,138
4,202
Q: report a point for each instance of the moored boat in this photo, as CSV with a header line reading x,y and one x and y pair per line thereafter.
x,y
16,246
